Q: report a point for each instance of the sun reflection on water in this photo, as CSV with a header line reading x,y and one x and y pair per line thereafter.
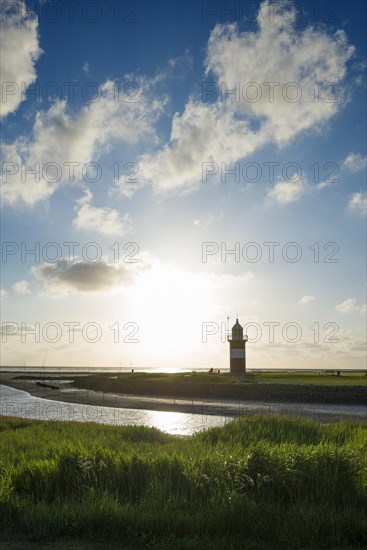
x,y
182,423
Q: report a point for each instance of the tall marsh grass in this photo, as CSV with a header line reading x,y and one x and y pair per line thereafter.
x,y
255,483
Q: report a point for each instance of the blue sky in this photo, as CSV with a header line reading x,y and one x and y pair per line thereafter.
x,y
162,136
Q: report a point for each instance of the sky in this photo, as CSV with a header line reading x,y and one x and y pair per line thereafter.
x,y
169,166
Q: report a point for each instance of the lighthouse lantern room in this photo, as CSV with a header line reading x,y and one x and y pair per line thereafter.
x,y
237,350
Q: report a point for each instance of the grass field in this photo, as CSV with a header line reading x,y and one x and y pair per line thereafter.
x,y
352,378
259,483
348,388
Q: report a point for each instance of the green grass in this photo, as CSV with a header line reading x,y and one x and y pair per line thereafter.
x,y
352,378
259,483
348,388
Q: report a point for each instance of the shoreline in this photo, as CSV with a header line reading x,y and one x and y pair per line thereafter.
x,y
224,408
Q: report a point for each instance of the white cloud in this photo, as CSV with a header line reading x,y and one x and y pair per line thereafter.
x,y
85,198
347,306
358,346
227,281
21,287
104,220
219,131
127,186
306,299
281,54
287,191
358,203
207,219
65,277
355,162
222,131
85,68
350,306
69,142
3,293
203,133
19,51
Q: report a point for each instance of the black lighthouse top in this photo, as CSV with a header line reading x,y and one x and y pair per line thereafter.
x,y
237,331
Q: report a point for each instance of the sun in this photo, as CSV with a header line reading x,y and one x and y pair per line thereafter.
x,y
171,305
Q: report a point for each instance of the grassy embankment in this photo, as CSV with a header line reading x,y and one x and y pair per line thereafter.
x,y
258,483
351,378
348,388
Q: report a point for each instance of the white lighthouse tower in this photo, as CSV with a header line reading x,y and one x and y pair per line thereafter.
x,y
237,350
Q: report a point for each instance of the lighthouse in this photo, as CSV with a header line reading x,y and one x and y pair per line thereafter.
x,y
237,350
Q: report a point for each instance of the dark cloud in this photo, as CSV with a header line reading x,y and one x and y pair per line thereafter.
x,y
82,276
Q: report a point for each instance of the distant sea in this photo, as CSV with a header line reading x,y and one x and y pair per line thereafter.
x,y
42,369
94,370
